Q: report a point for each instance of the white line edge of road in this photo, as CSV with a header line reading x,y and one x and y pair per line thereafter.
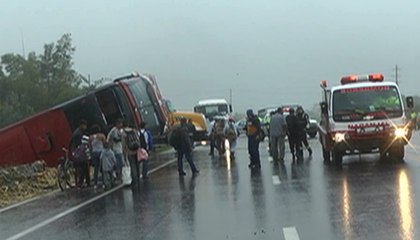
x,y
77,207
27,201
290,233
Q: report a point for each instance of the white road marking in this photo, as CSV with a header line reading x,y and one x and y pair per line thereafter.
x,y
290,233
77,207
276,180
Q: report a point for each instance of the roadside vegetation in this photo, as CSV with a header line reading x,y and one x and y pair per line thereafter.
x,y
29,84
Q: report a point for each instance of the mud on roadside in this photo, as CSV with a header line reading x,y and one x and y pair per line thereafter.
x,y
19,183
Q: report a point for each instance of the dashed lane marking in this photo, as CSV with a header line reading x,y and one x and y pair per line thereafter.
x,y
77,207
276,180
290,233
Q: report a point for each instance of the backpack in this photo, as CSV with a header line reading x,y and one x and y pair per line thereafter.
x,y
132,140
79,154
173,138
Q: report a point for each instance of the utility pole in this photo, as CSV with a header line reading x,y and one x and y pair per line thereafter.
x,y
23,44
396,74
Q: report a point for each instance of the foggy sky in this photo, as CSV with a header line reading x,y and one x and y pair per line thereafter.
x,y
268,52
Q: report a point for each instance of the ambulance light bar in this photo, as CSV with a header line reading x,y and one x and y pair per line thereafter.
x,y
377,77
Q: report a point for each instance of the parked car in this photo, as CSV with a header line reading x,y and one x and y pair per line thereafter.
x,y
312,129
240,125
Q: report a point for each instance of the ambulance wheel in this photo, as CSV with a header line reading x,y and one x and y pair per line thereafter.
x,y
396,152
337,157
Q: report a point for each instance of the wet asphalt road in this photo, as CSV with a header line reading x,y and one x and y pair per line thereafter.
x,y
365,199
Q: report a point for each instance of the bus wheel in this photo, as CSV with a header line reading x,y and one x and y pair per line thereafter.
x,y
337,157
396,152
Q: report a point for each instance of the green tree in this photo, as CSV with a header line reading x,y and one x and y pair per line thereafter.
x,y
29,85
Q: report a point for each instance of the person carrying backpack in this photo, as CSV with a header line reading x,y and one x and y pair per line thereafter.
x,y
80,157
131,145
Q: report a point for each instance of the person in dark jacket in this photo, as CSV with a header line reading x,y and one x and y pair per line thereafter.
x,y
303,122
183,148
293,133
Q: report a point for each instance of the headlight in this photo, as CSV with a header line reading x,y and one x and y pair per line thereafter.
x,y
339,137
400,132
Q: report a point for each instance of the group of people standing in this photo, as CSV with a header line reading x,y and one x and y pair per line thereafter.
x,y
108,154
293,126
222,130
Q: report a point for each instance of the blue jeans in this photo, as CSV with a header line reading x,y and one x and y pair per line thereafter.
x,y
253,149
120,162
96,162
189,160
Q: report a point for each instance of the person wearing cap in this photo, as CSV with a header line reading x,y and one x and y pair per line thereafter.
x,y
278,129
253,132
183,148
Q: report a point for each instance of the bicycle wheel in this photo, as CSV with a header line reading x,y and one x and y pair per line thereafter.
x,y
70,175
61,177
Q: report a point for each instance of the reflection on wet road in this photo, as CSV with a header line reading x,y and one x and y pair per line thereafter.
x,y
365,199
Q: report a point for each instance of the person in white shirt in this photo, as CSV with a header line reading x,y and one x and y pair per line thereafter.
x,y
114,139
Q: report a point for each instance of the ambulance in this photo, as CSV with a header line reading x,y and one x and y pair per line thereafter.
x,y
365,114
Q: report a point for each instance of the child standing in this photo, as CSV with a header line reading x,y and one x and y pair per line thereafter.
x,y
108,163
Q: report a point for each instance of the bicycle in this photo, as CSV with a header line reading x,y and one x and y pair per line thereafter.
x,y
65,172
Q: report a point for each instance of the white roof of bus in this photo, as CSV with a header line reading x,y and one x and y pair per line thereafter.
x,y
362,84
212,102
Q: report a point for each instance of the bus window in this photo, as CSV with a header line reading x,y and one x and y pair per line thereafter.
x,y
109,106
145,106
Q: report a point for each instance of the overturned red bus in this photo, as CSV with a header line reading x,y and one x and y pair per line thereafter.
x,y
43,135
